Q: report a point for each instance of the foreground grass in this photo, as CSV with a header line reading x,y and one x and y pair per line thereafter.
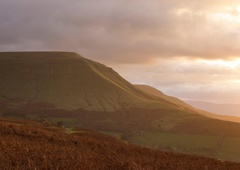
x,y
224,148
31,145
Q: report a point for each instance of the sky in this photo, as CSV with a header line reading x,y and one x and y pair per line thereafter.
x,y
185,48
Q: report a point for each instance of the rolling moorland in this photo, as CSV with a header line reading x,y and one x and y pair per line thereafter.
x,y
65,88
34,145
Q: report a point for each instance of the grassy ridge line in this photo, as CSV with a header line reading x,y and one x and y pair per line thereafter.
x,y
31,145
156,92
115,79
36,55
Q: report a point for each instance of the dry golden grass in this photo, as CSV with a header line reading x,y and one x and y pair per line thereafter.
x,y
32,145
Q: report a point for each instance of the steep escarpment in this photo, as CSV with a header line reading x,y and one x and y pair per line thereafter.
x,y
67,81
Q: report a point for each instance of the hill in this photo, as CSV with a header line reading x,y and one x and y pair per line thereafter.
x,y
204,108
65,88
33,145
156,92
66,85
219,108
67,81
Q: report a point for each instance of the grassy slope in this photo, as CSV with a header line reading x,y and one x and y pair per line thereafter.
x,y
224,148
68,81
156,92
61,80
153,91
31,145
207,137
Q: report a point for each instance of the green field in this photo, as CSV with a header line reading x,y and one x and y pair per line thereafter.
x,y
111,133
224,148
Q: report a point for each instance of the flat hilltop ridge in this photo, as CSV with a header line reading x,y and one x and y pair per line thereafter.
x,y
44,55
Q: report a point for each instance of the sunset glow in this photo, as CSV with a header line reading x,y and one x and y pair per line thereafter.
x,y
188,49
124,84
238,8
232,64
227,13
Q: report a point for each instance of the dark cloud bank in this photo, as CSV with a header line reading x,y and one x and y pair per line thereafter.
x,y
117,31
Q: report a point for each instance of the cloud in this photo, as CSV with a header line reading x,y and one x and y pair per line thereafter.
x,y
121,30
200,79
169,44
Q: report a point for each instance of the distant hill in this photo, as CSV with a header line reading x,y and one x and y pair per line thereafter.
x,y
156,92
211,110
223,109
33,145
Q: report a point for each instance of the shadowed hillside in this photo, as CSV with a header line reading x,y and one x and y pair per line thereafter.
x,y
32,145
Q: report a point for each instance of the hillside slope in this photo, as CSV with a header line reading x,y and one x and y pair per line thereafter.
x,y
66,88
193,105
156,92
66,85
32,145
67,81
